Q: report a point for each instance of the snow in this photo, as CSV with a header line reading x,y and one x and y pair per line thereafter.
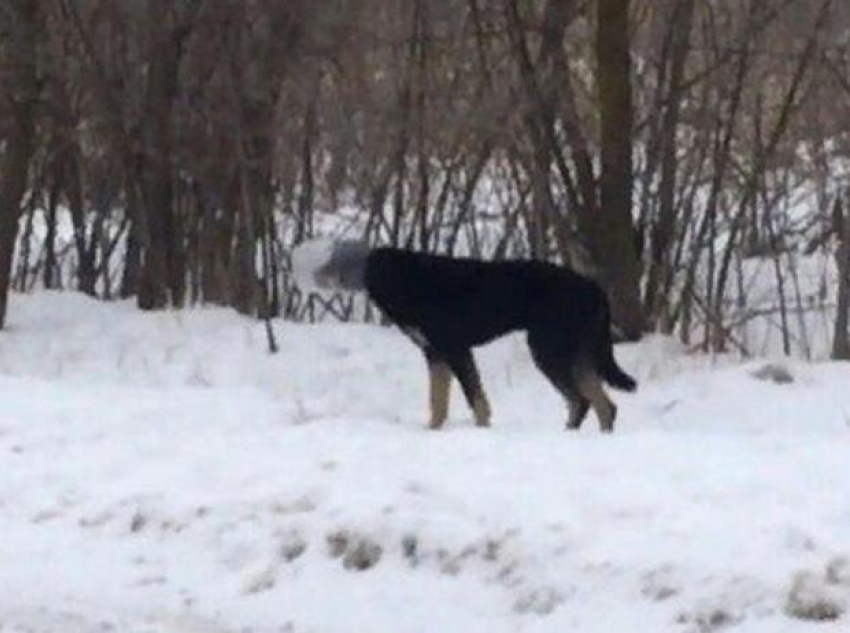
x,y
164,473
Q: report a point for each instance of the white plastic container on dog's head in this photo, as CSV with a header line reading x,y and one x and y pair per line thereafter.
x,y
307,259
325,264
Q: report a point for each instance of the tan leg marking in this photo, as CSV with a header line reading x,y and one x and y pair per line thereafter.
x,y
440,376
591,388
481,409
577,405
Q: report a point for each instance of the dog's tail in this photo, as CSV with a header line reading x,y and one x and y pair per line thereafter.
x,y
616,377
607,365
331,265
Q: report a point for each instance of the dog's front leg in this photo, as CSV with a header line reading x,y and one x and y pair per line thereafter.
x,y
463,365
440,379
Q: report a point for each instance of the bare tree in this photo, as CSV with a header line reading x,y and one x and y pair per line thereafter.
x,y
841,338
19,34
188,146
613,237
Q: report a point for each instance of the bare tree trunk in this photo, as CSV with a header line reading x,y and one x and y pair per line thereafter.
x,y
613,234
305,212
86,273
132,260
21,277
163,274
51,271
159,286
18,53
840,338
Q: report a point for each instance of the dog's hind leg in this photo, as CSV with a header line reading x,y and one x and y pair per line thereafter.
x,y
440,376
558,371
463,366
561,379
578,406
589,384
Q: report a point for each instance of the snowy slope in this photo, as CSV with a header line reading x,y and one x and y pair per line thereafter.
x,y
163,473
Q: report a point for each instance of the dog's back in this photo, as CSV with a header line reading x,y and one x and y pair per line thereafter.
x,y
467,302
453,302
450,305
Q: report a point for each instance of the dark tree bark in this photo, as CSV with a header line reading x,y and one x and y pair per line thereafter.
x,y
841,339
86,251
612,232
132,260
18,54
51,277
161,275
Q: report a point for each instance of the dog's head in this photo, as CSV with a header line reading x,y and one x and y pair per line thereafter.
x,y
345,268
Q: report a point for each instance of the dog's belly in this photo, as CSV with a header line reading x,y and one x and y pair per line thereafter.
x,y
457,326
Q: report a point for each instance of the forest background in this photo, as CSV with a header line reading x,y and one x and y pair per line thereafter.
x,y
689,154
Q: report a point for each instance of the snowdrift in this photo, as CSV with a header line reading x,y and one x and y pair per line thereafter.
x,y
163,473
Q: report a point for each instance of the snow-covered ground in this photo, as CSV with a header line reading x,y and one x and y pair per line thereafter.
x,y
163,473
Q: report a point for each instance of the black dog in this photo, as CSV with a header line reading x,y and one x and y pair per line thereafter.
x,y
448,306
